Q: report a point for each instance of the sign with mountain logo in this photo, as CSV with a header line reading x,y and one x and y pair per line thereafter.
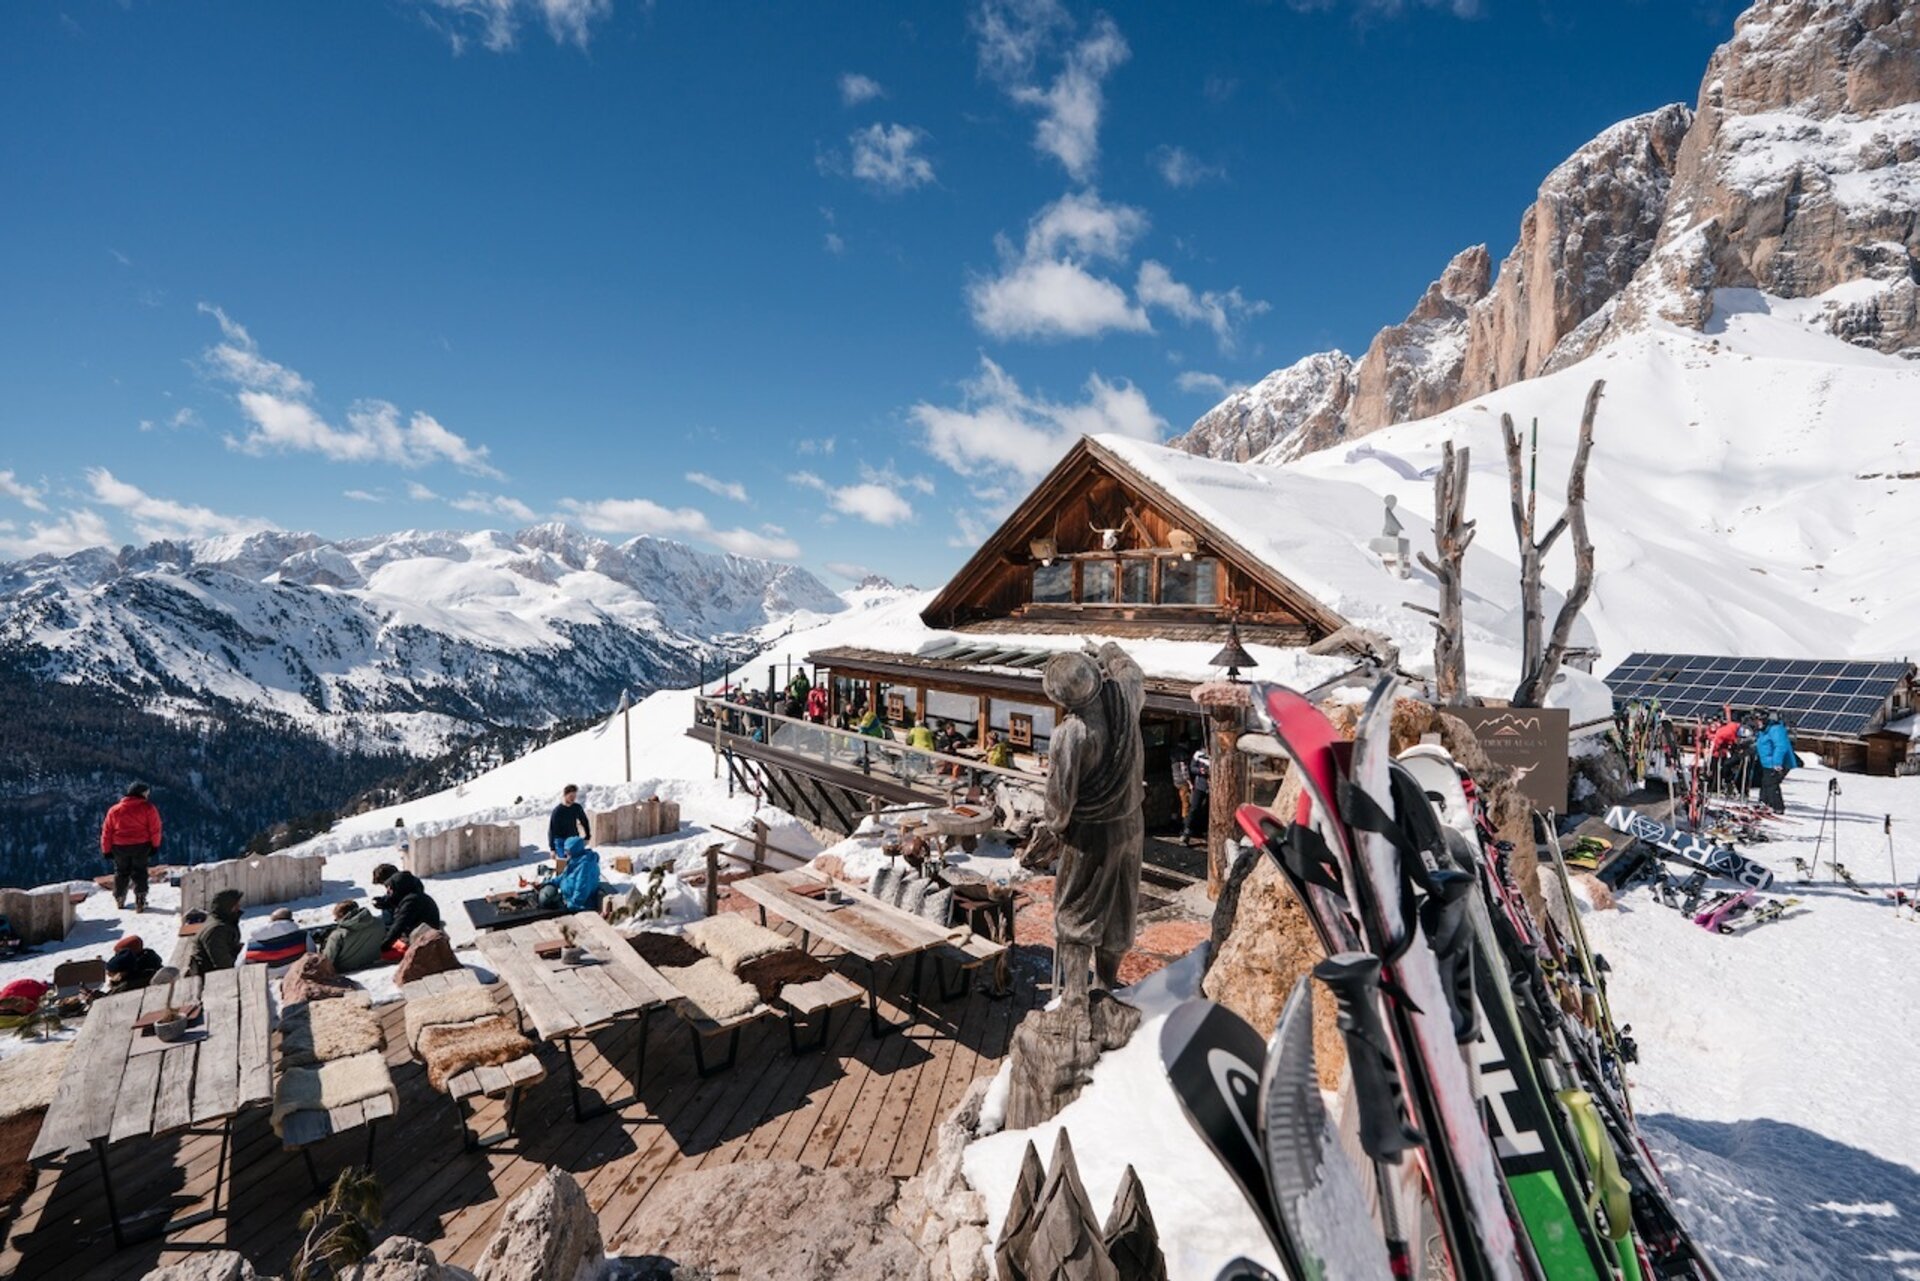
x,y
1532,742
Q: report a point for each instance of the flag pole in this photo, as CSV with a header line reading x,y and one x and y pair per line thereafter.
x,y
626,725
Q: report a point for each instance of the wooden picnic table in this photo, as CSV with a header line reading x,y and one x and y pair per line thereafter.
x,y
123,1085
565,1002
865,927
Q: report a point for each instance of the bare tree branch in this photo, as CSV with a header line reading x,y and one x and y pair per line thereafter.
x,y
1542,657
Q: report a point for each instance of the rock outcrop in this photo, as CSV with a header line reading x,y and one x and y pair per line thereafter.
x,y
1290,412
548,1233
1797,174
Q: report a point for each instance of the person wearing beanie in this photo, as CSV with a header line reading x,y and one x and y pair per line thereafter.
x,y
217,945
129,838
280,943
132,965
405,906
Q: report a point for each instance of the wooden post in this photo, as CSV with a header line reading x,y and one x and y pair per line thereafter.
x,y
713,879
1452,534
759,840
1226,703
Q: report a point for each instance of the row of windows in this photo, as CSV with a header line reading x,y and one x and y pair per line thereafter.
x,y
1128,580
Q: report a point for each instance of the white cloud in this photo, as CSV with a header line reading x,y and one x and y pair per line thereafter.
x,y
879,497
157,518
420,493
1044,290
997,426
815,445
836,243
722,488
493,505
277,402
1179,167
856,89
496,23
362,496
1387,8
887,157
969,530
28,495
1014,36
852,571
1193,380
644,516
74,531
1220,312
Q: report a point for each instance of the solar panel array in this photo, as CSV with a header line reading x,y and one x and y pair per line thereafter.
x,y
1813,696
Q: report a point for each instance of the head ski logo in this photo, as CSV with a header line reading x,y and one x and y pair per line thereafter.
x,y
1239,1085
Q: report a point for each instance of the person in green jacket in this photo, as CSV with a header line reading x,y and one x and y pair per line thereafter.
x,y
355,941
921,736
217,945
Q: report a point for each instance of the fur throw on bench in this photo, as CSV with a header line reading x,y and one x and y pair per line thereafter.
x,y
29,1079
331,1085
733,940
321,1031
456,1005
713,993
449,1049
769,974
661,950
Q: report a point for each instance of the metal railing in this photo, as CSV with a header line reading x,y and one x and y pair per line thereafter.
x,y
862,753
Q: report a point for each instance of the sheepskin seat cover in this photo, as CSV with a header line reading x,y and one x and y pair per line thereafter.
x,y
452,1048
660,949
733,940
323,1087
29,1079
713,993
456,1005
321,1031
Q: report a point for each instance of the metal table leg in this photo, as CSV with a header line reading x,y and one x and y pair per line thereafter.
x,y
159,1223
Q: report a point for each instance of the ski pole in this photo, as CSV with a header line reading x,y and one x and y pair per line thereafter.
x,y
1893,873
1385,1129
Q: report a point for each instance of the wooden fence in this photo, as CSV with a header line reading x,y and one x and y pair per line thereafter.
x,y
38,916
635,822
459,848
261,878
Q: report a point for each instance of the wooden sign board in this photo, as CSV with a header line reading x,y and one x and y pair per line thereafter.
x,y
1531,741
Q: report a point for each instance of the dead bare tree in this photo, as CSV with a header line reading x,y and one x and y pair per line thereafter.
x,y
1452,532
1541,653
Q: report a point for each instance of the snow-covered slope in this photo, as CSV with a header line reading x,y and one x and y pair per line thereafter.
x,y
1745,493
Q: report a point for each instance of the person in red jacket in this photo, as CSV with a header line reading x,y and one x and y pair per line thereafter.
x,y
130,836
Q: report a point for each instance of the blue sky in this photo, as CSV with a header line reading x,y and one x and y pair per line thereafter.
x,y
829,282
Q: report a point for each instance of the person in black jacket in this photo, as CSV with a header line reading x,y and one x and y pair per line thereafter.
x,y
405,905
568,820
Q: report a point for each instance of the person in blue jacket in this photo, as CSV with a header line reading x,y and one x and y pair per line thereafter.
x,y
579,885
1774,750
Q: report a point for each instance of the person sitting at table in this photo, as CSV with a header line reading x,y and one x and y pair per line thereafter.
x,y
405,906
280,944
999,752
217,945
132,965
579,886
356,940
874,725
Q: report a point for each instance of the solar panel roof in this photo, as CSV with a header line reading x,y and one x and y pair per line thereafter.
x,y
1814,696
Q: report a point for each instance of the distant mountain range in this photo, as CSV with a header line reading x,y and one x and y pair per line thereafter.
x,y
254,678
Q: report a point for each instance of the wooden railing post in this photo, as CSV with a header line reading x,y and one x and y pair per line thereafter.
x,y
713,879
1226,703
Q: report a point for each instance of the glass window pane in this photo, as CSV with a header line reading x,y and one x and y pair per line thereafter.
x,y
1053,583
1188,582
1136,582
1096,582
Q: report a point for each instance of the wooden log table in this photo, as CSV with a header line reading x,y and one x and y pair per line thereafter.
x,y
123,1085
868,929
565,1002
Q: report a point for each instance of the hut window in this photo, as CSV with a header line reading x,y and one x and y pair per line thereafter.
x,y
1096,582
1053,583
1136,581
1189,582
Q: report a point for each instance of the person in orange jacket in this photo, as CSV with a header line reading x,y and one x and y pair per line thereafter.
x,y
130,836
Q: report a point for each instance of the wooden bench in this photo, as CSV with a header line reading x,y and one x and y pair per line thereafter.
x,y
507,1081
816,1000
966,956
301,1130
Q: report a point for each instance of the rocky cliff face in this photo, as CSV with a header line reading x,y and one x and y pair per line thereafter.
x,y
1292,411
1798,174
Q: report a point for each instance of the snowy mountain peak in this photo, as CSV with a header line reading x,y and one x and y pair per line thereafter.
x,y
1290,412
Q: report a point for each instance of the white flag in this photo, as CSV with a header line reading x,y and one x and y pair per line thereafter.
x,y
625,703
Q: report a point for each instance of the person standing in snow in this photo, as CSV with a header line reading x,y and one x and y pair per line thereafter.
x,y
130,837
1724,747
1774,750
568,820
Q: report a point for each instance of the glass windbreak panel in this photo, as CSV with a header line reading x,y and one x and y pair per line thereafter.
x,y
1188,582
1096,582
1053,583
1136,582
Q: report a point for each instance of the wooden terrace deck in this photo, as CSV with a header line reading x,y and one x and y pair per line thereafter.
x,y
861,1102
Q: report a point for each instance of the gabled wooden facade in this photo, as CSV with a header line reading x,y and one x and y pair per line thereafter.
x,y
1099,547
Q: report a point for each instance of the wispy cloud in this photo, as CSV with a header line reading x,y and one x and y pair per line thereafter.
x,y
74,531
31,496
1180,168
997,427
1193,380
1387,8
815,445
496,23
856,89
1219,311
362,496
493,505
721,488
156,518
278,405
1016,38
887,157
1044,288
852,571
644,516
879,497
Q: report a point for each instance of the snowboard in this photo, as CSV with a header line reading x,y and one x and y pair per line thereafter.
x,y
1690,847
